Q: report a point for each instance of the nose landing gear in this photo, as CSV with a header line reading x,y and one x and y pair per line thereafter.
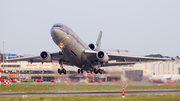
x,y
60,71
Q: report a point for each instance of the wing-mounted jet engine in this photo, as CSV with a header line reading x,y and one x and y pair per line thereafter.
x,y
45,56
102,56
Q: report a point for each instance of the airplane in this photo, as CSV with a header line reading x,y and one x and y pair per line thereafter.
x,y
75,52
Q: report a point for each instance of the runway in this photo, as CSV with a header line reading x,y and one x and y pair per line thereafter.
x,y
91,93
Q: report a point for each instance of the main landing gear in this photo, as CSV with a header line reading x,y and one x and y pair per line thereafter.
x,y
60,71
80,71
100,71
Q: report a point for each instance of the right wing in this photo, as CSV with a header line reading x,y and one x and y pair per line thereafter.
x,y
28,58
56,56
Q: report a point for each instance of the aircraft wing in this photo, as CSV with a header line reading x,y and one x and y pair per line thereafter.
x,y
123,58
126,59
55,56
28,58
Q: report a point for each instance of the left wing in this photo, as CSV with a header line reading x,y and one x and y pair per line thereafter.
x,y
123,58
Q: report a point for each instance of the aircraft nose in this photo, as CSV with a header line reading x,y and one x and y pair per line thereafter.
x,y
54,33
57,33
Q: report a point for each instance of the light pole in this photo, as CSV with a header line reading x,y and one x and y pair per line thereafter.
x,y
3,56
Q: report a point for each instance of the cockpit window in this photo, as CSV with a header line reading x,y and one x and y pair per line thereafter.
x,y
58,26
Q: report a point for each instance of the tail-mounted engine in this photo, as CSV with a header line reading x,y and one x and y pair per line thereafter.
x,y
45,56
93,47
102,57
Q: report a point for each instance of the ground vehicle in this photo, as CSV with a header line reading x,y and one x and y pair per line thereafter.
x,y
14,81
29,80
39,80
158,81
23,80
92,81
3,80
52,80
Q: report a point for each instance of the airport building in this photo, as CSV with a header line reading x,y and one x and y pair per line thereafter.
x,y
25,70
159,68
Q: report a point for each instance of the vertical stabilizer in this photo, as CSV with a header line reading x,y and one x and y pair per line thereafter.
x,y
98,42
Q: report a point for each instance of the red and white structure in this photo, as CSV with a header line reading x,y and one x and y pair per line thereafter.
x,y
7,82
0,74
123,95
0,67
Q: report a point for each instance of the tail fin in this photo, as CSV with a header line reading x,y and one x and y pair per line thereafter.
x,y
98,42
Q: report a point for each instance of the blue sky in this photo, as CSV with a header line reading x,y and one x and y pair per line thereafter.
x,y
140,26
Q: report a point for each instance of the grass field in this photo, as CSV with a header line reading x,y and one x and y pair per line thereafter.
x,y
53,87
169,97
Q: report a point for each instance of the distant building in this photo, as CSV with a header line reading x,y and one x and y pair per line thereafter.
x,y
25,70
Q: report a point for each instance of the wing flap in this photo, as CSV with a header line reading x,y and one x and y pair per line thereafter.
x,y
117,64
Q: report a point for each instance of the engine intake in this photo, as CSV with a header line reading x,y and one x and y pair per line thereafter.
x,y
103,57
45,56
92,46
